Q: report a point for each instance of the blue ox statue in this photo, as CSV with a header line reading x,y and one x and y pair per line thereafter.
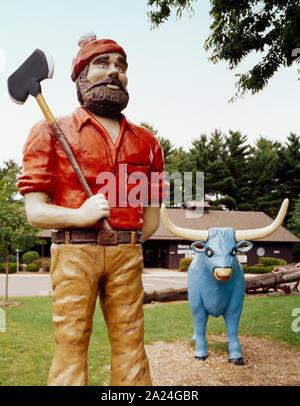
x,y
216,283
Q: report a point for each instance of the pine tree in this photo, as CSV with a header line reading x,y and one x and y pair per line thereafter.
x,y
294,224
289,171
263,172
165,143
217,178
177,165
236,162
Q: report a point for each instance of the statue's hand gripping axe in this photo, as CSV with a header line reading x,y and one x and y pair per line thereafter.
x,y
25,81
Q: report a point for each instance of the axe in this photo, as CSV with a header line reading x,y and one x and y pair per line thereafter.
x,y
25,81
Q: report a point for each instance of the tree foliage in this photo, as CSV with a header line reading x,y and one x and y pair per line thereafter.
x,y
15,232
268,28
165,143
8,166
164,9
295,218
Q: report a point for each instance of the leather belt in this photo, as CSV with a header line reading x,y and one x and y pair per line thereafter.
x,y
81,236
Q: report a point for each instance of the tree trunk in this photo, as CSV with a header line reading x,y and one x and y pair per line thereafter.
x,y
166,295
272,279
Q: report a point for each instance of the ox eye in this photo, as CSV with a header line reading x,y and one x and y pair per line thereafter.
x,y
209,252
234,252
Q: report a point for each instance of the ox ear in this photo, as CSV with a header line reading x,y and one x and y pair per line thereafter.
x,y
198,246
244,246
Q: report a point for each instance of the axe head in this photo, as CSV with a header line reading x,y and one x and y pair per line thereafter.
x,y
26,79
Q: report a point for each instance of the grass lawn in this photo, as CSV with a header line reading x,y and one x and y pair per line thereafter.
x,y
27,346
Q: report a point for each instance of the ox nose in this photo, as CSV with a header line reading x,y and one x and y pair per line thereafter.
x,y
222,274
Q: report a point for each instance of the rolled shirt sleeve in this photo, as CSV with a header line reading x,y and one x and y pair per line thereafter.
x,y
38,168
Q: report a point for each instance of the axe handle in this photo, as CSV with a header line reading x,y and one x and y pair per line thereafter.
x,y
69,153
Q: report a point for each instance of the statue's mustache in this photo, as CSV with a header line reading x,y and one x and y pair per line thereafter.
x,y
114,82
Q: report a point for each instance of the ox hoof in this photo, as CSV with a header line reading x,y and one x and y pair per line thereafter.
x,y
201,358
237,361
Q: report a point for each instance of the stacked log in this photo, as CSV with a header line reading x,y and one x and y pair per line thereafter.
x,y
270,280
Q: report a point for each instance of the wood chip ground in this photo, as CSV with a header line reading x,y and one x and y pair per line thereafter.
x,y
267,364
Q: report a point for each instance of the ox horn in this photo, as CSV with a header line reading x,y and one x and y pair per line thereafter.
x,y
255,234
184,233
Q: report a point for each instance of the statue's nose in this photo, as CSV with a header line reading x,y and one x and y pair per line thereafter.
x,y
222,274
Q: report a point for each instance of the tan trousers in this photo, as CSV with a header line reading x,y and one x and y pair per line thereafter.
x,y
79,272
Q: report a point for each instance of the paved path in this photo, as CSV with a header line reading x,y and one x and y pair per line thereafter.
x,y
35,284
26,285
158,279
39,284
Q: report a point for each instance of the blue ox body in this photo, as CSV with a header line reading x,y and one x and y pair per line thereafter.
x,y
216,287
216,284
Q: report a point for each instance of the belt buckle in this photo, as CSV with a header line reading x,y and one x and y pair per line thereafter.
x,y
105,239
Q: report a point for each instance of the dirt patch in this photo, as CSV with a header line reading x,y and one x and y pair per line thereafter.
x,y
10,304
266,364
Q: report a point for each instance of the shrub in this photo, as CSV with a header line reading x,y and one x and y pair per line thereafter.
x,y
32,268
30,256
11,258
258,269
271,261
12,267
184,264
44,262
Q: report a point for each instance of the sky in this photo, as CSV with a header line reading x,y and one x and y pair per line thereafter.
x,y
172,84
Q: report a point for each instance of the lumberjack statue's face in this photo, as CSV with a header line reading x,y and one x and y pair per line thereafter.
x,y
102,85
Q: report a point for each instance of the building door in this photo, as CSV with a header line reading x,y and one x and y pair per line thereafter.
x,y
151,253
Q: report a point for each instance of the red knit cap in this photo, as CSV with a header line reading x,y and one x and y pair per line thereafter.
x,y
90,47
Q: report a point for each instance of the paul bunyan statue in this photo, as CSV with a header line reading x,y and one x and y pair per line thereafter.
x,y
88,263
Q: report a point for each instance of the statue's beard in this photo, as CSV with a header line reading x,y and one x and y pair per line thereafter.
x,y
101,100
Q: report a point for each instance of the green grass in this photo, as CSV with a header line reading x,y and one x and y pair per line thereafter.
x,y
27,346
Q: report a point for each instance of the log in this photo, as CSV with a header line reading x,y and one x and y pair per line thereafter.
x,y
270,280
166,295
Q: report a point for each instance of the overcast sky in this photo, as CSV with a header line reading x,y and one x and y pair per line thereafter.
x,y
172,84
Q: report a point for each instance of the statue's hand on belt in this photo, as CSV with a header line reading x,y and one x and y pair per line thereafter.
x,y
93,209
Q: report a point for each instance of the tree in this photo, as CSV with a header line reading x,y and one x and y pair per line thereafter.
x,y
294,225
289,170
239,28
263,171
236,162
8,165
15,232
165,143
295,220
223,159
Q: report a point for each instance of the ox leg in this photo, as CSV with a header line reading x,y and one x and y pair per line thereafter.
x,y
232,325
200,322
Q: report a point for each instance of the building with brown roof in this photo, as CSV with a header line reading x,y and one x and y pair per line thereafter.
x,y
165,250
